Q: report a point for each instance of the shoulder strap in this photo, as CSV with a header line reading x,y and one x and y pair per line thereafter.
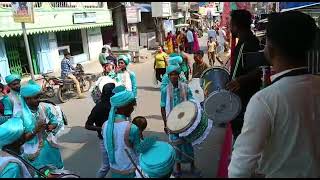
x,y
237,62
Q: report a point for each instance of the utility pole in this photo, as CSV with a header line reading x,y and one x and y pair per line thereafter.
x,y
26,42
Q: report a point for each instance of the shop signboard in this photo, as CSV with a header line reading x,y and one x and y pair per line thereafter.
x,y
85,17
134,43
133,15
22,12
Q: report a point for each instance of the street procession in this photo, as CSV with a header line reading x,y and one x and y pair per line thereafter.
x,y
159,90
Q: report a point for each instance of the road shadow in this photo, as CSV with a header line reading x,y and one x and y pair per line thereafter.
x,y
158,117
148,88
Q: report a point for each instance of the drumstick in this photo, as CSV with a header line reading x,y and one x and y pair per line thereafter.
x,y
134,164
189,157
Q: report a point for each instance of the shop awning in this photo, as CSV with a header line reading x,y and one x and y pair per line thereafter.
x,y
53,29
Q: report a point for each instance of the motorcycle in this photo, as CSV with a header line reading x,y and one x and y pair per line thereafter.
x,y
67,87
48,85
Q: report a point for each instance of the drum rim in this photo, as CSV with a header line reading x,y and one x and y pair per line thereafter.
x,y
233,95
189,124
210,68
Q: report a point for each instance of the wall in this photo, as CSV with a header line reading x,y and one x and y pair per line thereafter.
x,y
4,66
95,42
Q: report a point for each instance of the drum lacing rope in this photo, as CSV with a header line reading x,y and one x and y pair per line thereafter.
x,y
237,63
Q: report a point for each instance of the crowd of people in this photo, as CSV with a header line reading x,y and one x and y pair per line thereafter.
x,y
275,133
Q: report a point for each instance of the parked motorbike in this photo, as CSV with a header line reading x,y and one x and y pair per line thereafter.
x,y
48,85
67,88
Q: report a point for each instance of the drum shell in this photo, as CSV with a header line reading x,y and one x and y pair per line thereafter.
x,y
214,79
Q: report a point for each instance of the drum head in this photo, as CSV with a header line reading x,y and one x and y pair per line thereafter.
x,y
181,117
196,89
214,68
222,106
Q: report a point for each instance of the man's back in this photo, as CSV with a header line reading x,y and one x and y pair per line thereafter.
x,y
66,67
190,36
292,147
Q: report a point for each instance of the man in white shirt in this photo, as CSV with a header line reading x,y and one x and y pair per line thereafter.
x,y
280,135
190,41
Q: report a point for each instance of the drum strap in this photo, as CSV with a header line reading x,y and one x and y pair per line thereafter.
x,y
238,61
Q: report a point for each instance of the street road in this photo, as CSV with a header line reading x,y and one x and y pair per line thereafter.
x,y
80,147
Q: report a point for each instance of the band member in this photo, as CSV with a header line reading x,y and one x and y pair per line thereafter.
x,y
247,82
119,134
175,61
10,133
175,93
125,76
40,127
11,101
154,165
281,122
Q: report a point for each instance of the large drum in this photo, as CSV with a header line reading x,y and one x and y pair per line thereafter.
x,y
196,89
220,105
188,121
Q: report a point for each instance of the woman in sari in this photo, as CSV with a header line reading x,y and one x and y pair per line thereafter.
x,y
169,41
196,46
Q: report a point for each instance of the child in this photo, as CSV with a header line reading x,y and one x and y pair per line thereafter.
x,y
211,51
199,65
141,123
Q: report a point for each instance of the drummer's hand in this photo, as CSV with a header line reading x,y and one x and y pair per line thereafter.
x,y
166,130
233,86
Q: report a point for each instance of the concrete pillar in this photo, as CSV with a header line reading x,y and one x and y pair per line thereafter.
x,y
85,42
120,29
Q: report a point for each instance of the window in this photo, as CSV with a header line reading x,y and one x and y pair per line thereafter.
x,y
72,39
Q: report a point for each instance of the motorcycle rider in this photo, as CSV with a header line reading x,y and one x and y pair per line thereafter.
x,y
66,71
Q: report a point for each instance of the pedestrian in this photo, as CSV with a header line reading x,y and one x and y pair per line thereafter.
x,y
119,134
223,58
185,65
199,66
11,132
141,123
66,72
175,93
196,46
39,120
157,159
170,43
180,40
102,57
280,130
245,83
190,41
211,51
99,114
11,101
125,76
160,63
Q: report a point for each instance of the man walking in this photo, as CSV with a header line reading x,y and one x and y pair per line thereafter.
x,y
190,40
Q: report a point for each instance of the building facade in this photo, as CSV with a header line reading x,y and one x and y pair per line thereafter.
x,y
58,26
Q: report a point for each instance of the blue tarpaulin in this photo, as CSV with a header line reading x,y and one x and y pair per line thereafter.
x,y
287,6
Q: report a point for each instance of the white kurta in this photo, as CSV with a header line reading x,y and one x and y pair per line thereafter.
x,y
280,135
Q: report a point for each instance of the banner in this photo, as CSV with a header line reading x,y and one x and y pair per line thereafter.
x,y
22,12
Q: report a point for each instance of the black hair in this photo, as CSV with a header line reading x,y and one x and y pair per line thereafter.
x,y
144,122
292,32
241,18
200,52
107,93
66,53
103,49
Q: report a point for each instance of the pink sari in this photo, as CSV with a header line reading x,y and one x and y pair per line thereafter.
x,y
196,46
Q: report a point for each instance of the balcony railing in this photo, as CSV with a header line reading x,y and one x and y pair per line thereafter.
x,y
61,4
